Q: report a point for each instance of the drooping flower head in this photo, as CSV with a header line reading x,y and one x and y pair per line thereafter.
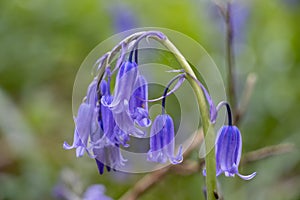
x,y
86,122
229,149
228,152
162,135
128,90
112,133
138,105
107,118
162,142
106,145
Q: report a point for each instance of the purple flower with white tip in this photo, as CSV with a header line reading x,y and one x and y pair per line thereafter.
x,y
86,122
138,104
229,149
162,141
96,131
112,133
124,88
228,152
106,120
106,145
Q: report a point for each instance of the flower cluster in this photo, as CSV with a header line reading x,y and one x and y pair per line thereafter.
x,y
107,119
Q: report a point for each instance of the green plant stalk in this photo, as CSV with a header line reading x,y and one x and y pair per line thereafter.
x,y
230,58
208,128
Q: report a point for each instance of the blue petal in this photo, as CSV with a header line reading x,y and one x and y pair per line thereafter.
x,y
238,152
100,166
141,117
113,133
92,92
84,122
228,152
124,85
178,158
138,104
120,137
162,141
226,148
212,107
119,106
126,123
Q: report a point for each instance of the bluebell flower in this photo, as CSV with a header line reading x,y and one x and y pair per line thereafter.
x,y
96,131
228,152
95,192
162,141
162,136
138,104
124,89
112,132
106,145
229,149
86,122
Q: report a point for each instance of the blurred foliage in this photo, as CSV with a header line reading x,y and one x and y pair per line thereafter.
x,y
43,43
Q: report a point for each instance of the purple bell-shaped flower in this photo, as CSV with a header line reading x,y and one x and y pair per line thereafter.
x,y
162,141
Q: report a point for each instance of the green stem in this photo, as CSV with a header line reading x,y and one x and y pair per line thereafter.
x,y
230,58
208,129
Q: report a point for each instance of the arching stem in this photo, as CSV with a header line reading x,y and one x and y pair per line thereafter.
x,y
210,161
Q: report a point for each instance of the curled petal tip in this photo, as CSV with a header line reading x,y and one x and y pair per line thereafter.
x,y
179,157
67,146
247,177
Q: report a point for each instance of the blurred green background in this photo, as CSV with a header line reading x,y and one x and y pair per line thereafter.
x,y
43,43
